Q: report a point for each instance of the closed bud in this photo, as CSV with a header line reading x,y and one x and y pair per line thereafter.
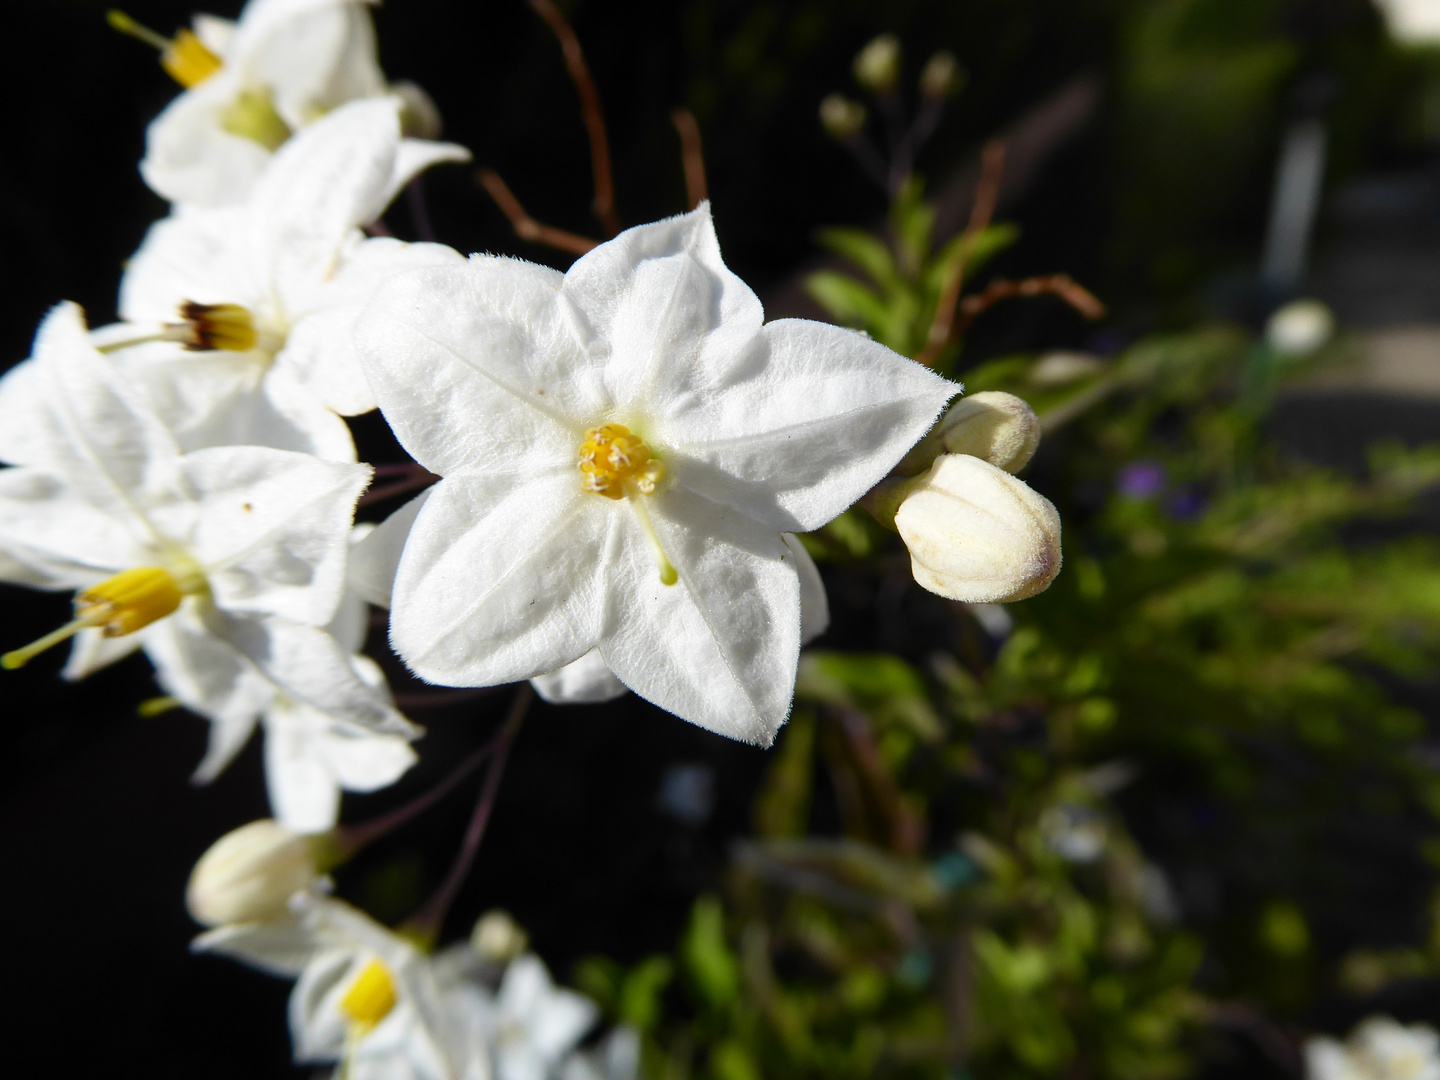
x,y
841,118
977,534
941,77
419,115
249,875
1300,328
498,938
877,65
997,427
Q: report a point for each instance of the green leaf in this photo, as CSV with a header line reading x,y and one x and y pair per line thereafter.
x,y
866,251
639,1003
713,968
847,299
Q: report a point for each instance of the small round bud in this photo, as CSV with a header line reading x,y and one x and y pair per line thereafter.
x,y
998,427
941,77
877,65
977,534
498,938
1300,328
419,115
841,118
249,874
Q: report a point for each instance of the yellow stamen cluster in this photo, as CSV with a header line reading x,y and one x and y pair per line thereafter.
x,y
613,462
129,601
370,997
216,326
184,57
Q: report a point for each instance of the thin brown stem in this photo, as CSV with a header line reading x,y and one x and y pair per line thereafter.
x,y
982,212
426,923
1061,285
526,227
692,155
590,112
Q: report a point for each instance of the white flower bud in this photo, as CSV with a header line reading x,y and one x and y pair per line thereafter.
x,y
941,76
1300,328
419,115
841,118
997,427
977,534
877,65
249,874
498,938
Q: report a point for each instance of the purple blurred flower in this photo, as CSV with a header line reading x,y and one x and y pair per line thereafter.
x,y
1141,480
1186,505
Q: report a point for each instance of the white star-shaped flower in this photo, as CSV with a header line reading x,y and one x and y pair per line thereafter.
x,y
364,995
622,448
251,85
243,315
530,1025
212,560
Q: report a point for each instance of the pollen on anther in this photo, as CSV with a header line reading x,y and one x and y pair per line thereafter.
x,y
612,459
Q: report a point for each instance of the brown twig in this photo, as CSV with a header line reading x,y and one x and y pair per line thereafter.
x,y
589,111
1061,285
691,155
526,227
982,212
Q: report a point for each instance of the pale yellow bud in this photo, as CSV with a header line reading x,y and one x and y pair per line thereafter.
x,y
998,427
840,117
977,534
941,76
498,938
419,115
250,874
877,65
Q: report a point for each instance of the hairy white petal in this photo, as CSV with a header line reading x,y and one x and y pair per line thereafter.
x,y
814,604
581,682
375,559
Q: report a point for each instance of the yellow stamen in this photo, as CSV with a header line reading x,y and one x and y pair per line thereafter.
x,y
252,115
215,326
129,601
617,464
184,57
370,997
156,706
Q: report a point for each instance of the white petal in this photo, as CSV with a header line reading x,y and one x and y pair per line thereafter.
x,y
475,366
317,1027
303,793
90,650
196,253
283,947
415,156
320,348
560,1022
189,156
203,672
813,419
500,580
310,666
47,527
672,312
214,32
814,605
314,55
720,647
322,185
581,682
272,528
375,559
227,738
96,432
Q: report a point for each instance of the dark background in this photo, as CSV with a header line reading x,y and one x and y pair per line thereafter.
x,y
100,825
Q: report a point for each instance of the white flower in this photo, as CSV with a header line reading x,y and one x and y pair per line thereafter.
x,y
364,994
531,1024
250,873
260,298
616,1058
978,534
1300,328
1379,1049
622,448
212,560
251,85
1413,21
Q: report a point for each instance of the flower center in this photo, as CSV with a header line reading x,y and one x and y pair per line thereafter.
x,y
617,464
184,57
370,997
204,327
612,460
251,115
129,601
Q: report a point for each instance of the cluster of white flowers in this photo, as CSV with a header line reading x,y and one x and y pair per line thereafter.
x,y
1379,1049
625,453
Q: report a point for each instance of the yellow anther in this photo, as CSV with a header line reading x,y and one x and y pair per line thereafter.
x,y
184,57
252,115
129,601
216,326
370,997
612,459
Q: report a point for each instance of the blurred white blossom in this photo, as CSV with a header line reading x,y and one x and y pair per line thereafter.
x,y
1300,328
701,436
1379,1049
1414,21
